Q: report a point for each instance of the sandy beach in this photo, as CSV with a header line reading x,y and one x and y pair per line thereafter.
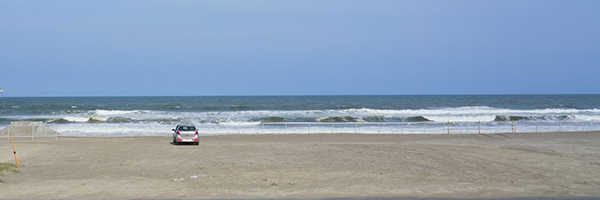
x,y
306,166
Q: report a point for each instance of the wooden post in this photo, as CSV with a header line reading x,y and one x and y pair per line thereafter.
x,y
14,151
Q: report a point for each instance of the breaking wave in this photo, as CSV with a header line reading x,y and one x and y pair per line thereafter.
x,y
254,117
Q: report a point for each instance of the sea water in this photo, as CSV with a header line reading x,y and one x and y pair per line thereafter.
x,y
308,114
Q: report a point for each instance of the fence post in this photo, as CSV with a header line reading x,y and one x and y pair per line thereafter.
x,y
559,126
443,129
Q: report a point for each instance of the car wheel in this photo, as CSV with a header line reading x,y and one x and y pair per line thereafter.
x,y
197,143
174,141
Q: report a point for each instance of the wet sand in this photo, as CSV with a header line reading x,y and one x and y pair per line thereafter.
x,y
307,166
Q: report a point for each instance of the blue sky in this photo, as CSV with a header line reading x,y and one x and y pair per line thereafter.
x,y
208,48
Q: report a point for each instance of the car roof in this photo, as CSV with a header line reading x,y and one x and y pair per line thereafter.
x,y
185,125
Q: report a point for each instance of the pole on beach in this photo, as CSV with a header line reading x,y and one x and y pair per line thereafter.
x,y
14,151
9,132
513,126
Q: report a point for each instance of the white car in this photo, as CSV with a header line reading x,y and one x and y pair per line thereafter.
x,y
185,133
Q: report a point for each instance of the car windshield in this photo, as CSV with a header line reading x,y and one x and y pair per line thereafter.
x,y
187,128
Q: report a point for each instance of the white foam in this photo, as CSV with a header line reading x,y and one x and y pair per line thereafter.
x,y
116,112
230,123
247,118
83,119
461,118
476,113
111,129
586,117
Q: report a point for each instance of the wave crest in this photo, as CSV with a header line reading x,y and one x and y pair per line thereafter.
x,y
459,114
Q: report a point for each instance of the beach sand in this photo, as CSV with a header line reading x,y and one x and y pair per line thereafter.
x,y
306,166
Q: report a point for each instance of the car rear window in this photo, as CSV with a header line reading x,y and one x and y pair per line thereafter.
x,y
187,128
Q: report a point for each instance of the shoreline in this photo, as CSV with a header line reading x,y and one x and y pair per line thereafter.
x,y
548,164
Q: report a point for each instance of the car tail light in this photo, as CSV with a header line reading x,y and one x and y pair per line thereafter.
x,y
178,133
196,132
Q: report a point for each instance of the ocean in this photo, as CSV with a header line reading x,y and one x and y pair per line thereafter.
x,y
219,115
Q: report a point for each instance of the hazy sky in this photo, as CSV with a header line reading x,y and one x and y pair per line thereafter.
x,y
206,48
